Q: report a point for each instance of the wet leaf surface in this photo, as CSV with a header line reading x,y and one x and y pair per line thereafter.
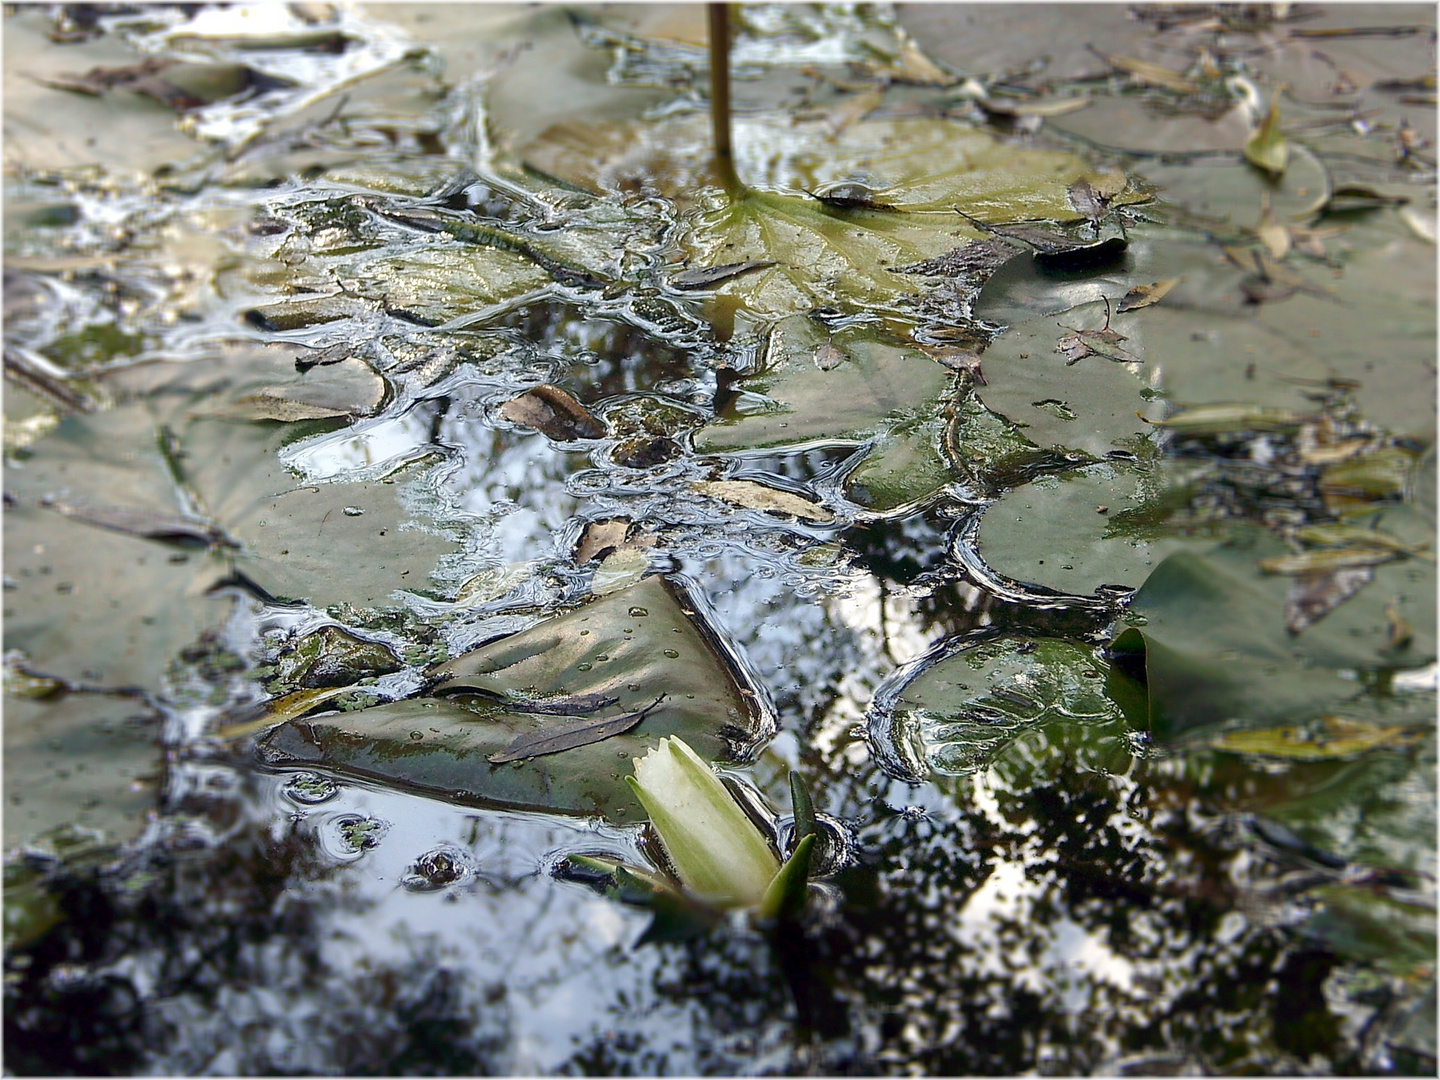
x,y
281,281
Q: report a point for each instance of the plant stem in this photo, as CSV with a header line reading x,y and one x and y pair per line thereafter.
x,y
720,98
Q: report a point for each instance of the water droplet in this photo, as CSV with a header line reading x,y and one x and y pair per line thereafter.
x,y
352,511
638,613
584,632
672,654
600,658
417,735
584,665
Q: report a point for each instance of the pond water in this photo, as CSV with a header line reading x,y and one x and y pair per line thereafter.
x,y
1033,462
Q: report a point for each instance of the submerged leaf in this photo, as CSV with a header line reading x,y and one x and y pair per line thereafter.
x,y
1266,148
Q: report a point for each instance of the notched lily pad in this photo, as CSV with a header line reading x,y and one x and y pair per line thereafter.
x,y
636,665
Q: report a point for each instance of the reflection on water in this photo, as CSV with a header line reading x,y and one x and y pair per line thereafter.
x,y
1034,878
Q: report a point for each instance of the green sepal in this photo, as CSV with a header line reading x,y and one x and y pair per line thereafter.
x,y
804,809
785,898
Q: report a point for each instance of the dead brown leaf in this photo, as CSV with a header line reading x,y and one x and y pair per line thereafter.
x,y
554,413
1142,296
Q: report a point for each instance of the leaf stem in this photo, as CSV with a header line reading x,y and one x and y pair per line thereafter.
x,y
720,99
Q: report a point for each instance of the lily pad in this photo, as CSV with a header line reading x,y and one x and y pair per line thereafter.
x,y
79,759
1089,406
955,711
1061,532
1217,649
647,649
794,403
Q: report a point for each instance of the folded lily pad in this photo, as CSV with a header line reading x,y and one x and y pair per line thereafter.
x,y
648,649
1216,648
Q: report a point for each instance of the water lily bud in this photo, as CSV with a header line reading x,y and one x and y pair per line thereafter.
x,y
716,849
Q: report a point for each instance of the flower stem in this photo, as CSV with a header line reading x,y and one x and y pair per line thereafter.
x,y
720,98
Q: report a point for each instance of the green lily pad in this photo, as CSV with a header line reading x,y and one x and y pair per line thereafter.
x,y
1230,190
906,467
647,648
1216,648
1089,406
955,714
1062,533
795,402
79,759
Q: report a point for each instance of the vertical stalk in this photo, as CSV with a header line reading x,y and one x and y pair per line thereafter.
x,y
720,98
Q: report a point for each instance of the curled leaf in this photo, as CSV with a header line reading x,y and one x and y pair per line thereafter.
x,y
556,414
1142,296
1266,148
566,735
755,496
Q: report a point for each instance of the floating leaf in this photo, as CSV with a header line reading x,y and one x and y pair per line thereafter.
x,y
1063,251
1151,74
348,388
705,278
1317,562
602,538
1142,296
1332,738
1274,235
558,737
853,109
1315,595
554,413
87,760
1078,344
954,711
756,496
791,401
1016,109
1216,646
1266,148
1225,419
1061,532
147,524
